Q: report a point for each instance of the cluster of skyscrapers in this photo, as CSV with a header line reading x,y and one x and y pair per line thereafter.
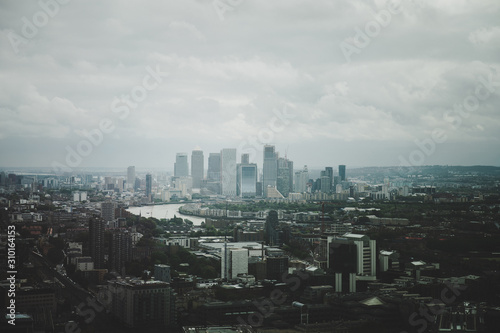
x,y
227,177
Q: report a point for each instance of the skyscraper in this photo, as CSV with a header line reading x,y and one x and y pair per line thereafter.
x,y
247,180
228,171
245,158
270,168
342,173
325,184
301,179
3,178
96,235
130,177
329,174
149,185
181,168
283,177
197,167
290,175
213,167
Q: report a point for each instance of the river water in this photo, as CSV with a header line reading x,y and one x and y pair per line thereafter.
x,y
164,212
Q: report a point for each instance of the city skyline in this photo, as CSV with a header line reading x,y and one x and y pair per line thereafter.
x,y
113,85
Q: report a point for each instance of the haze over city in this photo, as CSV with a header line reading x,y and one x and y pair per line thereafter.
x,y
310,78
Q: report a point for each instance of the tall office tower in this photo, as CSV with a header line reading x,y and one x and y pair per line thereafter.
x,y
237,262
3,179
247,180
245,158
228,171
283,177
197,167
270,168
329,173
352,253
181,168
96,235
108,211
290,175
325,185
213,167
144,306
120,251
301,180
162,273
342,173
130,177
149,184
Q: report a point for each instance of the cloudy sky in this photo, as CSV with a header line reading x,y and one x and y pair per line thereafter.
x,y
329,82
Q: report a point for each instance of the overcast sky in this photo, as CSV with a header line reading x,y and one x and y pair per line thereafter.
x,y
329,82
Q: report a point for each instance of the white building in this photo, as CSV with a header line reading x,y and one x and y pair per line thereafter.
x,y
130,177
84,264
237,263
301,179
364,261
185,242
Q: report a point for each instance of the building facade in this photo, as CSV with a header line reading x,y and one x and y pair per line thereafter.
x,y
142,305
197,167
130,177
228,171
236,261
96,234
247,180
181,168
270,170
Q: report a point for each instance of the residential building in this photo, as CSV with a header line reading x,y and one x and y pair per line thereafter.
x,y
96,235
108,211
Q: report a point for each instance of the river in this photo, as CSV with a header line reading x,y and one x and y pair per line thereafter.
x,y
164,212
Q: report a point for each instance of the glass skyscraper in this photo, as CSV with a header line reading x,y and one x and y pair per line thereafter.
x,y
270,172
181,168
197,166
228,171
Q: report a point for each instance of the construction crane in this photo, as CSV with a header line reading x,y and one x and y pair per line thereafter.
x,y
323,203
